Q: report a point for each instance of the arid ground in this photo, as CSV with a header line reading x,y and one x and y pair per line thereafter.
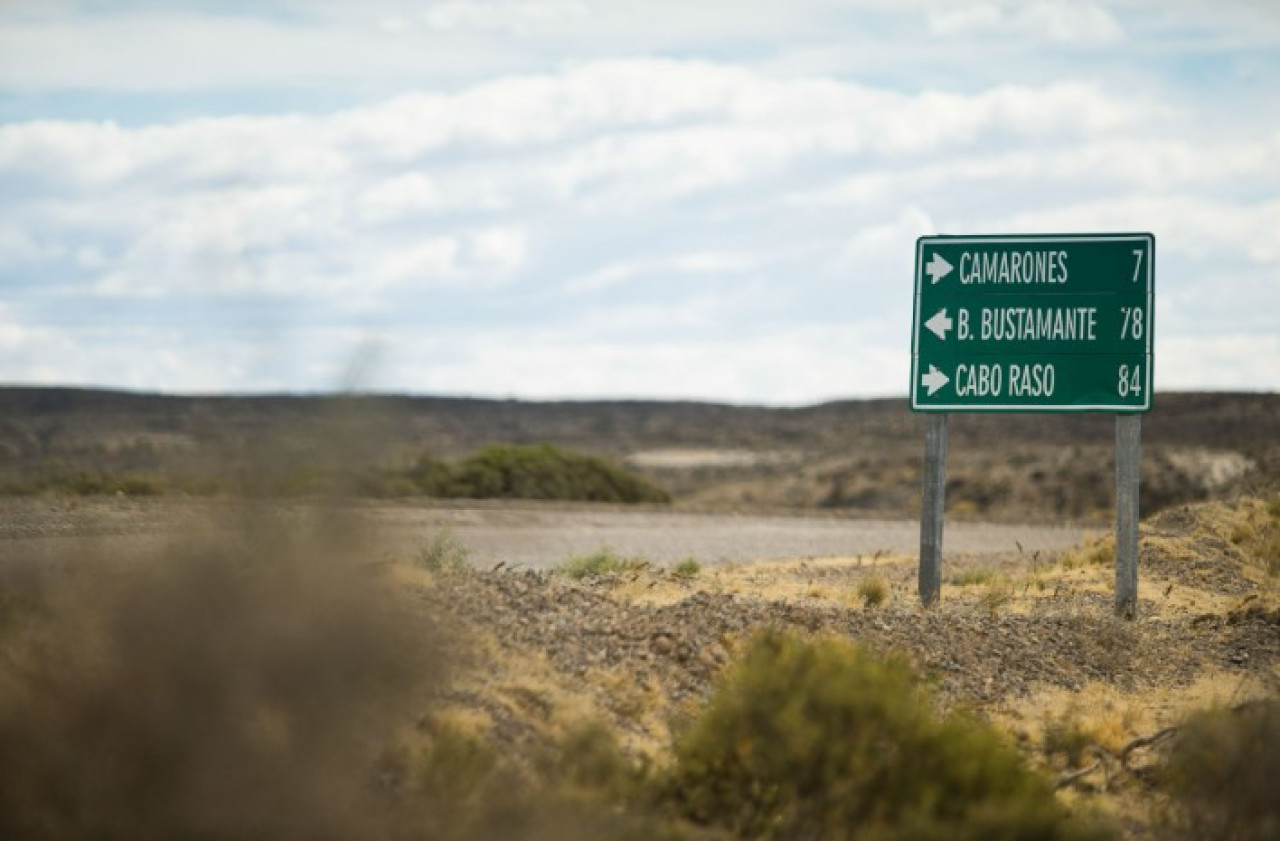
x,y
644,609
799,520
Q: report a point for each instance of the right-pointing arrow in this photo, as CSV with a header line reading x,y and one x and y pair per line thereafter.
x,y
934,379
938,268
939,324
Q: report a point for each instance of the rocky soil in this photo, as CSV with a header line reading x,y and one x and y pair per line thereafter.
x,y
1029,642
975,657
1019,633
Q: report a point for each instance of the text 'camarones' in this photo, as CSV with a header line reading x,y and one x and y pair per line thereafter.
x,y
1013,267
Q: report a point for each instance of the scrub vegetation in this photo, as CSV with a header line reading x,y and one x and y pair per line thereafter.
x,y
272,686
822,739
1221,775
604,561
60,480
273,676
537,471
859,456
873,590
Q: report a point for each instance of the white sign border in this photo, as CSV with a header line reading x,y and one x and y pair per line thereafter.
x,y
995,239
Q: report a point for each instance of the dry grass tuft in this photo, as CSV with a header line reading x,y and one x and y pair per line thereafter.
x,y
873,590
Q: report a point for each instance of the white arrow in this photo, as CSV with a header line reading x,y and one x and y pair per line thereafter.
x,y
934,380
938,268
939,324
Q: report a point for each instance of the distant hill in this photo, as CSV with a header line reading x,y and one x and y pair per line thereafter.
x,y
855,455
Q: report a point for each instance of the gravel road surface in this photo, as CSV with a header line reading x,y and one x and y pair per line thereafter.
x,y
535,536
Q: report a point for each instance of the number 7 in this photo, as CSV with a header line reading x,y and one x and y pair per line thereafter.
x,y
1137,252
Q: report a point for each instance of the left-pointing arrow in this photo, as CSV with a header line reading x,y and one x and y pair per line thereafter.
x,y
934,379
939,324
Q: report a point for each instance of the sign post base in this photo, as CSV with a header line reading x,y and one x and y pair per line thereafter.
x,y
933,503
1128,459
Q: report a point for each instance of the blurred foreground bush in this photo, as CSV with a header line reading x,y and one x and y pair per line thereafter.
x,y
267,683
238,690
824,741
1223,775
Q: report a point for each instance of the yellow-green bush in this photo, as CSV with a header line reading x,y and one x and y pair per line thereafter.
x,y
824,740
539,471
603,561
1222,775
873,591
444,552
688,568
62,480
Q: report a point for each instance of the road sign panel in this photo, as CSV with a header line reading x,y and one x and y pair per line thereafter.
x,y
1033,323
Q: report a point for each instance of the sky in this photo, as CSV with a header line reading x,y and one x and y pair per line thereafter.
x,y
547,199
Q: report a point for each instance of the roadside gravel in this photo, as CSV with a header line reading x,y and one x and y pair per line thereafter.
x,y
527,535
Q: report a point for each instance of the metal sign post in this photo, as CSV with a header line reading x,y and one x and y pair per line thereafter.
x,y
931,512
1128,459
1034,323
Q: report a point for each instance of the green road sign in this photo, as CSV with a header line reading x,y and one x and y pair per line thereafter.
x,y
1033,323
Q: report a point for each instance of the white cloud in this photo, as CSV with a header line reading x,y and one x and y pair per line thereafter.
x,y
385,46
1218,362
502,250
403,195
696,263
1195,226
888,249
636,226
1057,21
175,52
1151,164
696,124
789,367
17,247
520,16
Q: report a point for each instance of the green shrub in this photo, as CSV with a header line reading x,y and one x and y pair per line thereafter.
x,y
1099,553
59,479
457,772
873,590
539,471
1222,774
580,787
137,486
823,740
1067,737
587,762
688,568
972,577
429,475
997,596
603,561
444,553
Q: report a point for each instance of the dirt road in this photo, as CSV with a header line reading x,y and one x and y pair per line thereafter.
x,y
521,534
